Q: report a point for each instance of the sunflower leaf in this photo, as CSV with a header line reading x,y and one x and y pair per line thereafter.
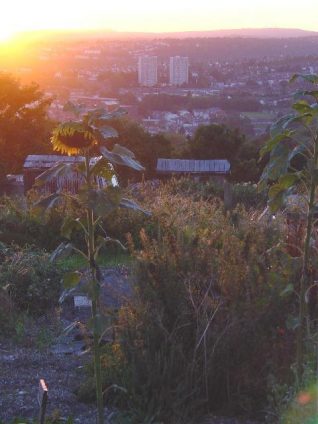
x,y
101,201
63,250
58,170
123,160
130,204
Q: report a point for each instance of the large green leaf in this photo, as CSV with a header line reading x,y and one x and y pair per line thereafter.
x,y
277,195
123,160
130,204
62,251
121,150
288,180
278,192
297,150
68,226
102,241
278,127
290,120
101,201
304,93
289,289
273,142
107,132
58,170
48,202
314,108
302,106
103,168
312,78
71,279
278,164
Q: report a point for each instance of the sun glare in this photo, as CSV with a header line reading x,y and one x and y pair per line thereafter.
x,y
5,34
143,15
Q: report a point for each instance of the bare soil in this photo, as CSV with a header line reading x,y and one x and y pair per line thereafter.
x,y
21,370
40,350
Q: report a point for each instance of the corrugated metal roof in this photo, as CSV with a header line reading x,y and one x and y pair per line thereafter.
x,y
191,166
70,181
47,161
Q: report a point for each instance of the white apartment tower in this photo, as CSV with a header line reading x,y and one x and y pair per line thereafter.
x,y
179,70
147,70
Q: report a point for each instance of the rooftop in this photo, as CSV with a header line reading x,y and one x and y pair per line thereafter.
x,y
192,166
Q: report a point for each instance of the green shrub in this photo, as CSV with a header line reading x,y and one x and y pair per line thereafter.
x,y
207,322
245,194
189,187
248,195
19,225
32,281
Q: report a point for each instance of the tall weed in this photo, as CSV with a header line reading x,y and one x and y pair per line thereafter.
x,y
207,322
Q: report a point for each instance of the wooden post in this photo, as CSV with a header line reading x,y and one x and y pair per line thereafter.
x,y
228,195
42,399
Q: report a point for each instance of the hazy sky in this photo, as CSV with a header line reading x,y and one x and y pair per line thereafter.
x,y
156,15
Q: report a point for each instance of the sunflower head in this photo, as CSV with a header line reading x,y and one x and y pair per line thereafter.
x,y
72,138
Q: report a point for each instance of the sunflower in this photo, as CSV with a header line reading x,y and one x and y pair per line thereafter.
x,y
72,138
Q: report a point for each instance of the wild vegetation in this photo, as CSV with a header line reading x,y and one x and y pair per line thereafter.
x,y
222,317
212,317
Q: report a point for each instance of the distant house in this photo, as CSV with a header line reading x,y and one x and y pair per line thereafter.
x,y
35,165
216,168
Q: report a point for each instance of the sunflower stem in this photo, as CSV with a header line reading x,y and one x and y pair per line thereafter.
x,y
95,298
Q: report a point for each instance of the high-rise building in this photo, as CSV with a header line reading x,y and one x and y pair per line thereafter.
x,y
147,70
179,70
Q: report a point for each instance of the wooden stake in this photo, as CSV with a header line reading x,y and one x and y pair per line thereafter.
x,y
42,399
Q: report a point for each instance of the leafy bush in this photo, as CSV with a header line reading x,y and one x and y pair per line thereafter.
x,y
207,323
245,194
31,280
195,189
248,195
19,225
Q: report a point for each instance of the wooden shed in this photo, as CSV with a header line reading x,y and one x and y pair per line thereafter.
x,y
35,165
200,168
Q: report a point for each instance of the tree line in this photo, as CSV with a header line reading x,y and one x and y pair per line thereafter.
x,y
26,129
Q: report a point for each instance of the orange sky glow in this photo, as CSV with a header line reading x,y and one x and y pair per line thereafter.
x,y
154,16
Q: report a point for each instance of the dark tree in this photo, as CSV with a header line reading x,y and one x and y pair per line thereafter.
x,y
221,142
24,125
216,142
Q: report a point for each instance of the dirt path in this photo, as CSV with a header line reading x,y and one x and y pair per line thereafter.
x,y
21,369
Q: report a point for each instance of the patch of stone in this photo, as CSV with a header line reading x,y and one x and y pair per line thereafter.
x,y
116,290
